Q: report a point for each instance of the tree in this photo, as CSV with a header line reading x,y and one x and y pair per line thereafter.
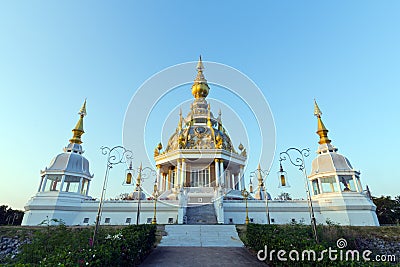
x,y
387,209
284,196
8,216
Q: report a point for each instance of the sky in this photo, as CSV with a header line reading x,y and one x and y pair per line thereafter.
x,y
53,55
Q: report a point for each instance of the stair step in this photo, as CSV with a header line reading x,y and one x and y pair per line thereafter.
x,y
204,214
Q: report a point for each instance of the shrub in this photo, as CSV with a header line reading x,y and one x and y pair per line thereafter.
x,y
300,238
62,246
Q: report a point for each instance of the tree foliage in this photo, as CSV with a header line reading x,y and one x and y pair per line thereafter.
x,y
8,216
387,209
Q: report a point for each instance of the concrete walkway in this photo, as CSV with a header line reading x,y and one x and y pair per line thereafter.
x,y
201,245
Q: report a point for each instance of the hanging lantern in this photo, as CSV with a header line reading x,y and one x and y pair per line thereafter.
x,y
129,171
155,188
282,175
251,187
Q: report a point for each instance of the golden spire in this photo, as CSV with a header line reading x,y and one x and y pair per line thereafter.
x,y
220,121
209,124
200,87
180,120
78,130
322,131
139,177
259,176
208,116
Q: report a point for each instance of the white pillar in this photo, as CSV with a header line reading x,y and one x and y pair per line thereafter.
x,y
87,188
44,183
233,181
320,186
183,177
80,185
158,178
241,178
62,182
41,183
177,173
217,182
355,183
169,179
208,178
221,169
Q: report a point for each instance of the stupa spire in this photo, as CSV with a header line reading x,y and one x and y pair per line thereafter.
x,y
321,131
78,130
200,87
180,120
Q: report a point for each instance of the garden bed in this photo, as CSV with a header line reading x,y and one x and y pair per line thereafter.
x,y
73,246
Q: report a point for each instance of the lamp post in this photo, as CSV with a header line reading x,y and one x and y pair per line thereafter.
x,y
245,194
155,195
143,173
299,162
115,156
262,180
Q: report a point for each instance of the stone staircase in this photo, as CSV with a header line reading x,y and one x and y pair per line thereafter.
x,y
201,214
200,236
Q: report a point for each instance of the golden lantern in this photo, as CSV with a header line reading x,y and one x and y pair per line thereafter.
x,y
251,187
129,174
282,175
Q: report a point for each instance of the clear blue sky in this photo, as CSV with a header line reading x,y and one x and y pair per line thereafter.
x,y
55,54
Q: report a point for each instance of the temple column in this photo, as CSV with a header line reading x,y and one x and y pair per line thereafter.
x,y
169,179
319,185
62,182
208,178
222,172
241,178
177,174
158,178
217,182
355,183
87,188
80,185
41,183
233,181
183,176
44,183
164,181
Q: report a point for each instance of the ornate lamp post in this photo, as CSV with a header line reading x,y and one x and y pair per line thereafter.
x,y
299,162
245,194
115,156
262,180
155,195
143,173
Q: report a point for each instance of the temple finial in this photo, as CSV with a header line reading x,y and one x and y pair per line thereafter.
x,y
200,65
321,131
200,87
317,111
78,130
139,177
180,120
82,111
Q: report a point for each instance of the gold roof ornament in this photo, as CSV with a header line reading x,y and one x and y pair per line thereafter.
x,y
220,128
78,130
322,131
180,121
259,175
139,177
200,87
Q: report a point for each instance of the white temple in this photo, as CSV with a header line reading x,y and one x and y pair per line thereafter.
x,y
200,181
